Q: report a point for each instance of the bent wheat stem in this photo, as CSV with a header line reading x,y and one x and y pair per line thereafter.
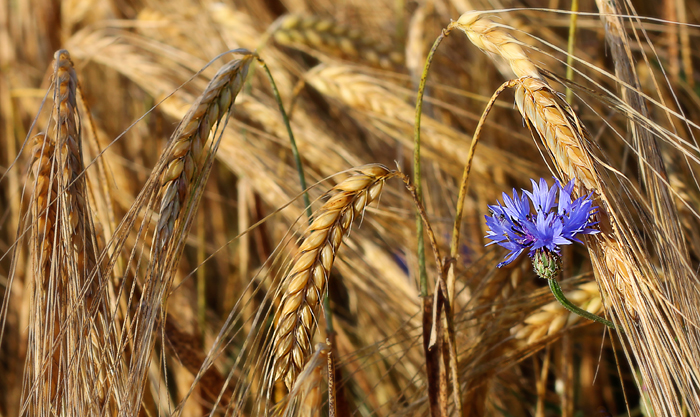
x,y
420,218
464,186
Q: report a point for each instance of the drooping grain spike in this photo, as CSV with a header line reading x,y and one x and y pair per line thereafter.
x,y
306,282
559,128
179,177
549,115
73,195
566,139
185,152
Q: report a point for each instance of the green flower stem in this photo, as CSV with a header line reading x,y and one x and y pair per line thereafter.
x,y
559,295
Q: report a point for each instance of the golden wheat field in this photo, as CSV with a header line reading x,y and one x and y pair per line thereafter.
x,y
279,208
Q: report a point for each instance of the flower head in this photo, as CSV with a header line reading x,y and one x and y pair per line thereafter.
x,y
542,232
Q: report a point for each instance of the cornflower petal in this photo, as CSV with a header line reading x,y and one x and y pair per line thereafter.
x,y
578,220
565,197
542,196
515,227
497,229
517,207
513,255
497,210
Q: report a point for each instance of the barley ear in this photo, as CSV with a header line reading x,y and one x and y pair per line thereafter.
x,y
185,155
177,182
305,284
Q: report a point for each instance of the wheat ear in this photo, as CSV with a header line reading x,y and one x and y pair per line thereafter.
x,y
333,38
306,281
184,156
44,206
179,177
305,397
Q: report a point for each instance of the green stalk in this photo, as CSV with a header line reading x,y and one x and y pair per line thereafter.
x,y
572,41
295,150
423,275
559,295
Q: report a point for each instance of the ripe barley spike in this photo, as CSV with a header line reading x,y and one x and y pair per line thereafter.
x,y
306,281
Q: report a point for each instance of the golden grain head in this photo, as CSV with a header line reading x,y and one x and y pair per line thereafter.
x,y
307,280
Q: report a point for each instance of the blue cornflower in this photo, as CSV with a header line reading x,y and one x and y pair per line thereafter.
x,y
517,228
